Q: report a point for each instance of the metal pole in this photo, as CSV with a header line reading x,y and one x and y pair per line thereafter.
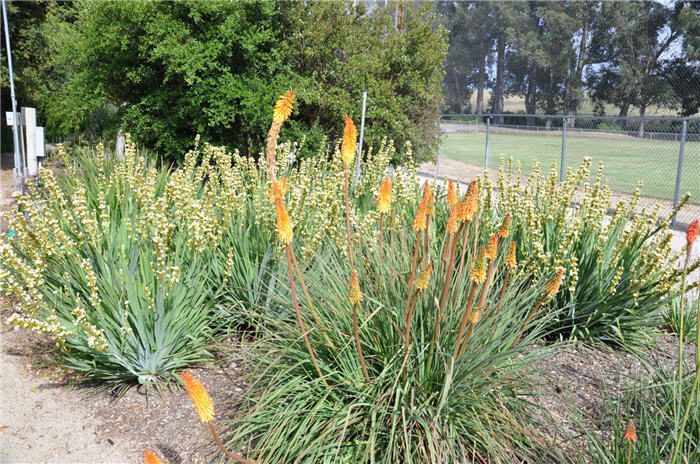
x,y
362,134
684,131
563,152
488,129
19,169
438,147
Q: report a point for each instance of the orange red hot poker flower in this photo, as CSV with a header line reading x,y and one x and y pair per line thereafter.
x,y
511,260
691,233
354,294
630,433
199,396
554,283
421,219
285,232
492,247
478,273
279,188
349,143
424,277
466,208
451,194
283,107
504,229
451,225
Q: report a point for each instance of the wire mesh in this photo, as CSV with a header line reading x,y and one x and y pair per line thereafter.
x,y
631,150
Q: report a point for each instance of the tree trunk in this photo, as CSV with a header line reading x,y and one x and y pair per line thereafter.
x,y
642,112
399,16
624,109
531,98
578,74
500,68
482,76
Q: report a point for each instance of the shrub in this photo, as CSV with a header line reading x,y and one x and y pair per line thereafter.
x,y
397,353
171,71
618,273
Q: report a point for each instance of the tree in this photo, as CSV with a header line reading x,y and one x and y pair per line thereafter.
x,y
169,71
469,25
631,44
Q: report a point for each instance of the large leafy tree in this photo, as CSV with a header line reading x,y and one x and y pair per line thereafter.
x,y
633,44
170,70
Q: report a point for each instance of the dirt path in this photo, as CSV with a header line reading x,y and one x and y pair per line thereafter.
x,y
39,420
43,422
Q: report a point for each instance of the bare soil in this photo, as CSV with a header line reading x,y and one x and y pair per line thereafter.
x,y
45,417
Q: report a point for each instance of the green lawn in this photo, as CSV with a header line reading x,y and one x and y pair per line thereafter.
x,y
626,161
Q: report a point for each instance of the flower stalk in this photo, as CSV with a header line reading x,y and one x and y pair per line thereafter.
x,y
205,410
691,236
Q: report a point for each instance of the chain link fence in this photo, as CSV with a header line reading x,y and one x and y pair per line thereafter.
x,y
661,152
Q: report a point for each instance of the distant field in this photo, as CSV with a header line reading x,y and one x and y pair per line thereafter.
x,y
513,104
626,161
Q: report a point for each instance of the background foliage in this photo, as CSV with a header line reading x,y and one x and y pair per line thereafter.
x,y
169,71
569,57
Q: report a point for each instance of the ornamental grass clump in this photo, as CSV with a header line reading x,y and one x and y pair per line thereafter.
x,y
666,406
401,361
97,262
618,271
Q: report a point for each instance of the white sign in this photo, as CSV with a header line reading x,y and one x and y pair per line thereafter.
x,y
40,145
11,119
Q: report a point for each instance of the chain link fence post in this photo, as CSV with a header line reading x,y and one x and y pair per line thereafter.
x,y
681,152
563,151
437,166
488,129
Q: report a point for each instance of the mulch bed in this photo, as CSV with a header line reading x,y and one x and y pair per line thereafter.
x,y
575,380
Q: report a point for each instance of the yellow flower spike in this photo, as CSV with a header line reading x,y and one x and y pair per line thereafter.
x,y
430,198
492,247
279,188
554,283
354,294
504,229
384,196
421,219
199,396
470,202
150,458
283,107
452,224
349,145
511,260
451,195
284,226
478,273
475,316
424,277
